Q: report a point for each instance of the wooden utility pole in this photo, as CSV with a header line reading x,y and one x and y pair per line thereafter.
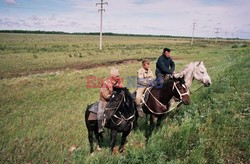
x,y
193,34
101,10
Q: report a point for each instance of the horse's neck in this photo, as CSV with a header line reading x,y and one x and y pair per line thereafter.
x,y
129,111
165,94
189,76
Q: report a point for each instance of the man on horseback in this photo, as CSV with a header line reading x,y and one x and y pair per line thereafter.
x,y
165,66
145,79
106,92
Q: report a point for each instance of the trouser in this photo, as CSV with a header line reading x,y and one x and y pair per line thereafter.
x,y
100,115
139,93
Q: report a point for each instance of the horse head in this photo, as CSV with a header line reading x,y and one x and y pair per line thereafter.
x,y
121,100
200,73
180,90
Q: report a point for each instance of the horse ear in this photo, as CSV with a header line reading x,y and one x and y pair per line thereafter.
x,y
199,63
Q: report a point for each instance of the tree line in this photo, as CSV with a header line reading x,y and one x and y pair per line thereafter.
x,y
84,33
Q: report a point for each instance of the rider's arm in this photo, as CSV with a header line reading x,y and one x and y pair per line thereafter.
x,y
162,66
106,92
172,65
119,83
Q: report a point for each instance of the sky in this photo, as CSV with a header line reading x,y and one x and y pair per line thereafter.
x,y
231,18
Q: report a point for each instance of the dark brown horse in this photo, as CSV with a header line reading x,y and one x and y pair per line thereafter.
x,y
157,104
120,113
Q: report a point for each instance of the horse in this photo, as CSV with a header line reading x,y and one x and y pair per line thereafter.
x,y
198,71
194,70
120,116
157,104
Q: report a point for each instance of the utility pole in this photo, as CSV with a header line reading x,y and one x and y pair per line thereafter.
x,y
226,35
193,34
101,10
217,31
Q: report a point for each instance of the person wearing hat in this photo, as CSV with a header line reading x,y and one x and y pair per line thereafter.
x,y
145,79
165,66
106,92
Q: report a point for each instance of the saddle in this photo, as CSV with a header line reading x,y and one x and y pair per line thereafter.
x,y
93,111
94,107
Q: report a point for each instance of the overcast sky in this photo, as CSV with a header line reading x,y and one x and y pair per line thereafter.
x,y
161,17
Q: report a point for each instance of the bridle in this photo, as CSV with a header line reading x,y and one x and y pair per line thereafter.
x,y
117,107
177,89
121,118
162,105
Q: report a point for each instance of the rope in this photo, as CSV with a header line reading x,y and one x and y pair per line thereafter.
x,y
196,89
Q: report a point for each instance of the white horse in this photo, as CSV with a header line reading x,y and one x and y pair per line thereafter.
x,y
194,70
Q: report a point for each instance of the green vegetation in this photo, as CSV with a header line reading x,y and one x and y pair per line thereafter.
x,y
42,115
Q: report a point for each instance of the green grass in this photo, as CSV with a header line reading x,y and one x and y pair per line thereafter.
x,y
42,116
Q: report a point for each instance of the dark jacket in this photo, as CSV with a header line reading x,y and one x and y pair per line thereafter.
x,y
164,66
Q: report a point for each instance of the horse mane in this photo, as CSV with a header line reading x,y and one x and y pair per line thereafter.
x,y
187,66
167,81
126,92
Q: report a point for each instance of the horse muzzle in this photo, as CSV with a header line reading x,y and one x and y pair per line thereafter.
x,y
207,84
186,102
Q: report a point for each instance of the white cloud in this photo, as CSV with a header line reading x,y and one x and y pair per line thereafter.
x,y
172,17
10,1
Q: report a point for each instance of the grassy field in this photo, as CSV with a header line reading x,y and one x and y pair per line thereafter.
x,y
42,115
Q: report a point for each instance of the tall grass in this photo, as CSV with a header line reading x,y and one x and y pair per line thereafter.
x,y
42,116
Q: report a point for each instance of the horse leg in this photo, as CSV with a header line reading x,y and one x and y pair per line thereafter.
x,y
135,123
90,136
152,122
159,119
97,136
113,139
146,119
151,127
123,140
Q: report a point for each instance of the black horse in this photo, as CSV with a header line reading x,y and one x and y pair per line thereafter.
x,y
157,104
120,116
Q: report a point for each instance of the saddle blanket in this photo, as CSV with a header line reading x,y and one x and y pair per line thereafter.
x,y
94,107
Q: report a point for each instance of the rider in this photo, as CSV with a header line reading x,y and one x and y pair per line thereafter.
x,y
145,79
165,66
106,92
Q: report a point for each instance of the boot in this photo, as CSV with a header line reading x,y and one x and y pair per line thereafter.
x,y
100,126
140,111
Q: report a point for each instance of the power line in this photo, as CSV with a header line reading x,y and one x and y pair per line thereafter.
x,y
101,10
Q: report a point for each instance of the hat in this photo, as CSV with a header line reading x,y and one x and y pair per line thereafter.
x,y
114,72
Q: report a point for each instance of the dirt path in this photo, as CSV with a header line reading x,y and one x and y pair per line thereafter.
x,y
73,66
77,66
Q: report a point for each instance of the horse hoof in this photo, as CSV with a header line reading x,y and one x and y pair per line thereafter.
x,y
98,148
92,154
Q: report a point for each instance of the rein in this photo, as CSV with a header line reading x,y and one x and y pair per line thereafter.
x,y
122,118
164,106
197,89
123,98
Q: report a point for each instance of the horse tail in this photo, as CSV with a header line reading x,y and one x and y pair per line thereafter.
x,y
87,112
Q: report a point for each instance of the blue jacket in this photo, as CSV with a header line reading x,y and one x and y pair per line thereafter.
x,y
164,65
